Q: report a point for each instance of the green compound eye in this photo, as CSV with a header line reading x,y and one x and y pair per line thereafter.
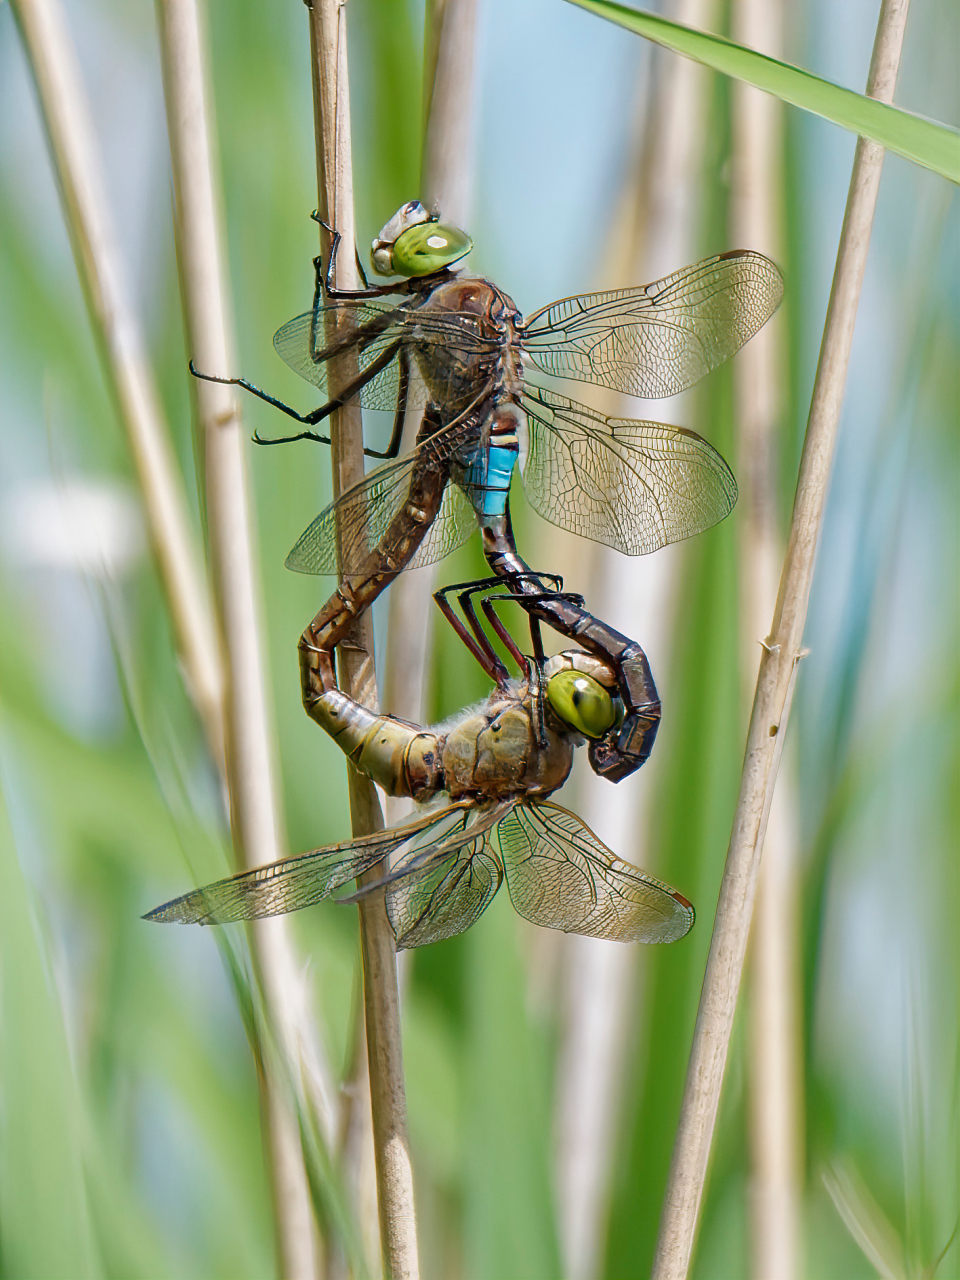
x,y
581,702
428,247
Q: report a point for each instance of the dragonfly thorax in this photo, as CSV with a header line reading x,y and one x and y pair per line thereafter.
x,y
480,354
493,752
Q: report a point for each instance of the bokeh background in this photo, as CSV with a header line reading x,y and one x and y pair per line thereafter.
x,y
129,1141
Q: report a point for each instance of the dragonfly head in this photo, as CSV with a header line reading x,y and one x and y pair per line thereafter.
x,y
581,690
417,243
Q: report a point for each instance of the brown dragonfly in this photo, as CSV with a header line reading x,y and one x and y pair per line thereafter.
x,y
495,767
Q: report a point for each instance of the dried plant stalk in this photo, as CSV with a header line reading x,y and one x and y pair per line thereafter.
x,y
604,980
775,1100
66,118
775,683
398,1234
301,1076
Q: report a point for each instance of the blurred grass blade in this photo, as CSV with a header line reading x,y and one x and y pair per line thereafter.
x,y
509,1227
43,1203
117,329
865,1220
925,142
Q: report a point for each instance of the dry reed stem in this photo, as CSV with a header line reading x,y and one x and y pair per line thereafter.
x,y
66,118
449,74
398,1233
775,683
604,983
775,1101
301,1075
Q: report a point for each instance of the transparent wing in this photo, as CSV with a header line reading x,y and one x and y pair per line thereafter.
x,y
389,514
561,876
373,332
634,486
441,890
454,524
658,339
291,883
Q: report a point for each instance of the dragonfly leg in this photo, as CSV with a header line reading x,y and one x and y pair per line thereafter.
x,y
315,215
478,644
623,750
498,580
536,639
488,605
317,415
262,395
325,279
403,391
496,589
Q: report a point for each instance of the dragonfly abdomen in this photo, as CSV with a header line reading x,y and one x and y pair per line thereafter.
x,y
401,758
486,481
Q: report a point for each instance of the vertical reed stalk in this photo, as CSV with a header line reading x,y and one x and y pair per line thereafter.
x,y
601,993
398,1228
775,1067
250,754
66,119
775,684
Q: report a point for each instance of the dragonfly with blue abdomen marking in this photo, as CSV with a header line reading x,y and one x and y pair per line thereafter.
x,y
633,485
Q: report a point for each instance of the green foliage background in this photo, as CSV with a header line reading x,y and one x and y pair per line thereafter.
x,y
129,1143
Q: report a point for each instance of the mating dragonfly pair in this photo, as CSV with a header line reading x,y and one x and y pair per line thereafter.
x,y
455,348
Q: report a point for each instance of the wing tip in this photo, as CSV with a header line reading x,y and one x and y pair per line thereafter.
x,y
190,908
167,915
688,913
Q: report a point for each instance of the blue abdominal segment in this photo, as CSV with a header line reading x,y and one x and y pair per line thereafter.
x,y
487,481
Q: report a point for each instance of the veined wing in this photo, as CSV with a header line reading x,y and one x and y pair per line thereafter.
x,y
371,335
440,890
561,876
634,486
291,883
454,524
370,516
658,339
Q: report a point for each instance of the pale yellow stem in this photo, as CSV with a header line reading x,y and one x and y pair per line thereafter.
x,y
76,160
301,1075
774,1098
398,1230
605,985
775,684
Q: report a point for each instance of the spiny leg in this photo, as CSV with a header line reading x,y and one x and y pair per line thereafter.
x,y
315,215
480,647
622,750
325,280
536,640
317,415
488,605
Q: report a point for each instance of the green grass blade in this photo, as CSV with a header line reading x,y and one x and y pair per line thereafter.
x,y
509,1228
43,1204
925,142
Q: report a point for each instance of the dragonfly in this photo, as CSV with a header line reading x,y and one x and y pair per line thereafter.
x,y
458,347
496,766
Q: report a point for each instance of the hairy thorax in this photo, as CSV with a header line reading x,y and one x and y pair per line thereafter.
x,y
459,375
494,752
